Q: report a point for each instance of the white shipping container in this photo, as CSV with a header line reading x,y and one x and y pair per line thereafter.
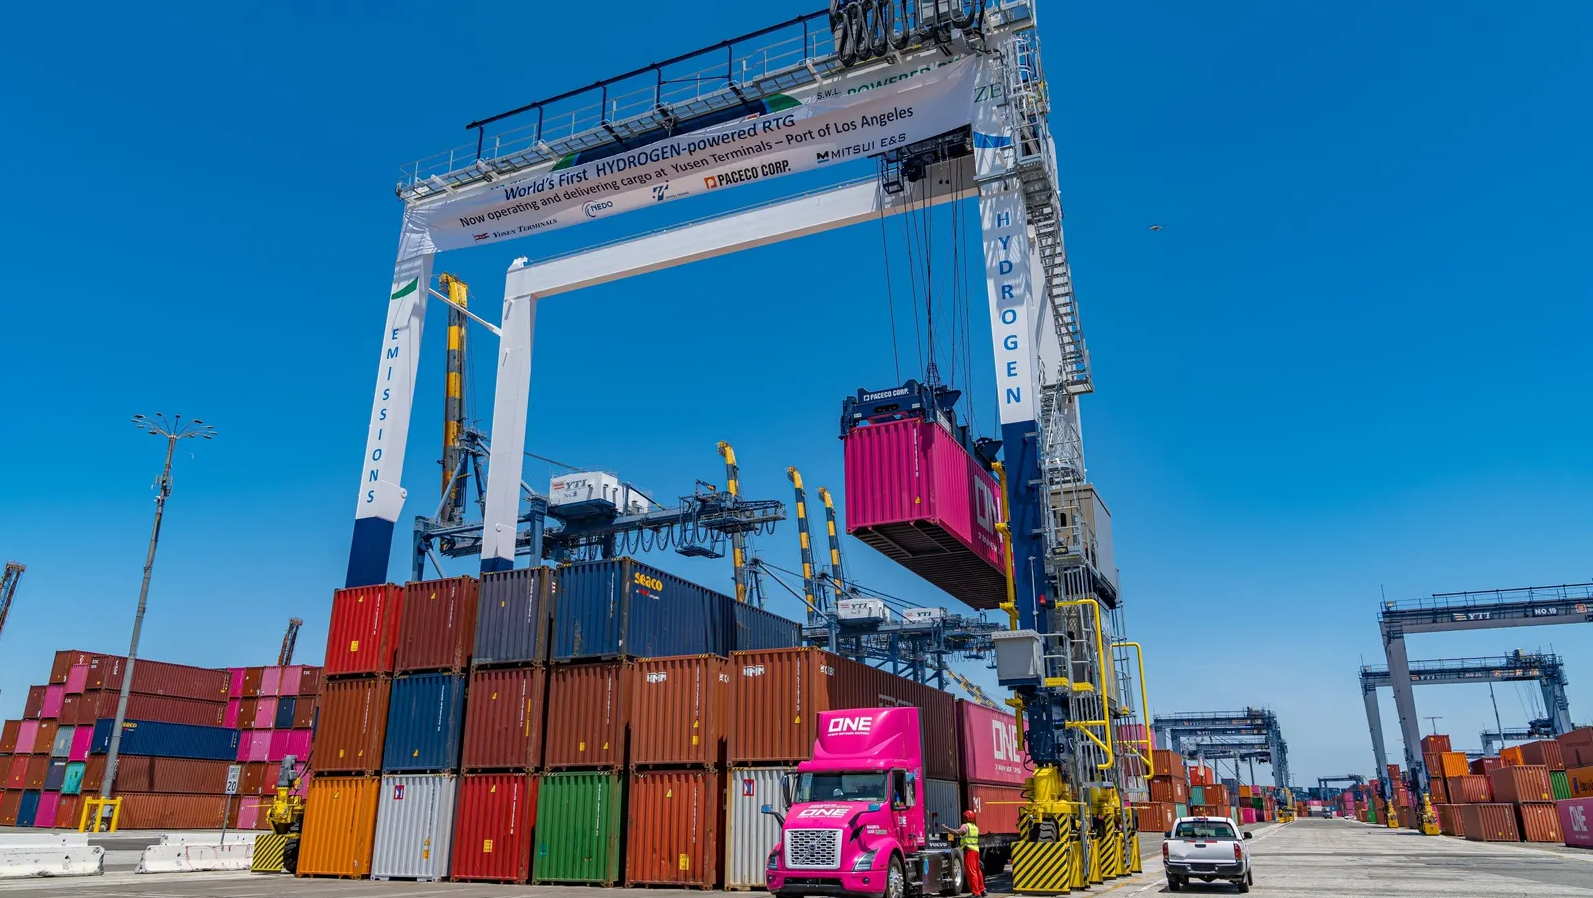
x,y
588,486
414,827
750,834
942,807
862,609
923,615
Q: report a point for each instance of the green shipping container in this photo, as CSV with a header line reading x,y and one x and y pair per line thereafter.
x,y
1197,795
1559,785
1181,810
578,828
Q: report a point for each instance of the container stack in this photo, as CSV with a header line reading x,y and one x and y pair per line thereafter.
x,y
504,719
273,708
993,771
1169,791
1576,810
362,641
425,725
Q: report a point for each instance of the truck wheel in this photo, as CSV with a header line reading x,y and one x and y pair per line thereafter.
x,y
955,883
895,880
1174,883
1243,885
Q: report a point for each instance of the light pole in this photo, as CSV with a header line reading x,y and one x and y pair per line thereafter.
x,y
173,430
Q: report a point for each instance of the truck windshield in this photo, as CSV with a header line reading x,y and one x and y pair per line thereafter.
x,y
1204,829
867,786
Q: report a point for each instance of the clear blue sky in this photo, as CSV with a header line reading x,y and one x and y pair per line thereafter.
x,y
1353,360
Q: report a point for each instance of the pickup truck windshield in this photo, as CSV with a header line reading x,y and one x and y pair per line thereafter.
x,y
1215,830
868,786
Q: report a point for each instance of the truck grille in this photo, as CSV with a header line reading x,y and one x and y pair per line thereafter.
x,y
813,849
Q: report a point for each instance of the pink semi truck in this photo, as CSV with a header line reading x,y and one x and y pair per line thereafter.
x,y
854,821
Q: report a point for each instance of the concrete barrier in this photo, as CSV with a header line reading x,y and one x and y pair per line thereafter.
x,y
49,854
198,852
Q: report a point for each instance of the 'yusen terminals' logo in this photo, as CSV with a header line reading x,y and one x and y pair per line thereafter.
x,y
482,236
841,726
595,209
405,290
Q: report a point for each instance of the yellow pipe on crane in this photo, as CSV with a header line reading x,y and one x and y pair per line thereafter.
x,y
1003,527
1144,705
1100,653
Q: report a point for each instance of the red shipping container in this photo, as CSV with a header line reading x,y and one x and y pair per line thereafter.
x,y
353,724
34,703
1217,795
1202,776
158,678
17,773
61,665
8,736
1436,745
1576,748
1519,785
917,496
362,637
1576,821
1482,766
492,827
504,719
38,769
1543,753
97,704
178,776
438,625
679,710
588,704
1451,819
1438,790
69,814
987,743
672,823
1490,822
997,807
155,810
1540,822
776,695
1470,789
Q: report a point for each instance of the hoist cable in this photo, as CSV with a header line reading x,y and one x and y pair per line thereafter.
x,y
890,299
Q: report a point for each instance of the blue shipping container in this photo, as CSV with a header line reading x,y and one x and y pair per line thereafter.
x,y
55,777
757,629
168,740
29,808
621,608
285,708
514,612
425,717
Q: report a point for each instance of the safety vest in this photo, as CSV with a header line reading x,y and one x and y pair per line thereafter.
x,y
970,837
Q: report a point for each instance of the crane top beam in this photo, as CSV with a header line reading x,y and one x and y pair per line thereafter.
x,y
1491,609
1448,671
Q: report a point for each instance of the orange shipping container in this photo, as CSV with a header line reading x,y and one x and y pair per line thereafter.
x,y
1469,789
672,829
438,625
1156,817
353,722
1436,745
504,719
158,810
1540,822
1170,764
1519,785
1455,763
1580,782
679,708
1169,790
363,634
1202,776
1543,753
1512,756
339,826
776,696
587,704
1490,822
492,827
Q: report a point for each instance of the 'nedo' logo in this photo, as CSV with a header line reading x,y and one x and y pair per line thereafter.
x,y
843,725
593,210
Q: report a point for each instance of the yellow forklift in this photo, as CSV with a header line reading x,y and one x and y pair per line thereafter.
x,y
278,850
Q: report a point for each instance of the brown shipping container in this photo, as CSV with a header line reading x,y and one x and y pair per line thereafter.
x,y
1451,820
34,703
1170,764
304,712
246,711
8,736
310,681
10,803
1469,789
1435,744
251,681
1576,748
776,696
251,780
1519,785
1543,753
156,810
672,829
87,707
1169,789
159,678
1489,822
1540,821
1439,791
1216,795
353,723
437,625
38,769
69,813
587,704
679,708
504,718
178,776
339,826
45,736
61,665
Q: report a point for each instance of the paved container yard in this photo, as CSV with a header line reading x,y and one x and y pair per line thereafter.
x,y
1305,859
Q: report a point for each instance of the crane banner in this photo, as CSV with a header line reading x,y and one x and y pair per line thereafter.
x,y
854,116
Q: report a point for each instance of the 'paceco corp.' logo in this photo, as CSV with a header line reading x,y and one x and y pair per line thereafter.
x,y
743,175
844,725
593,210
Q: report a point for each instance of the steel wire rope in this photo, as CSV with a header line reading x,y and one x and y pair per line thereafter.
x,y
890,298
912,279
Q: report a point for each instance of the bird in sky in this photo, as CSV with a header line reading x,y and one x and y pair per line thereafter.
x,y
1156,227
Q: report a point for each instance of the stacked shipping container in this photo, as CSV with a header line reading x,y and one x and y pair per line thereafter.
x,y
273,708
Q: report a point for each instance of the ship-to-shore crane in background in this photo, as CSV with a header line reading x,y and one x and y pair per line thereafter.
x,y
290,641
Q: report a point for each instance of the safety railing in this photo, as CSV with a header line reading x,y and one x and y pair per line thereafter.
x,y
1569,592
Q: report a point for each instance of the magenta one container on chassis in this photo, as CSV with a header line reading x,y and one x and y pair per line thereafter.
x,y
987,742
917,496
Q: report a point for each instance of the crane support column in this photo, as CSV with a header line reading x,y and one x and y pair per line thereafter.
x,y
1374,722
1405,703
509,404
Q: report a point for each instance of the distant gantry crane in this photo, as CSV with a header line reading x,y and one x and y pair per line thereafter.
x,y
8,589
1253,731
290,640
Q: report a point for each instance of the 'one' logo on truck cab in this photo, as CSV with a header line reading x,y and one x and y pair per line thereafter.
x,y
843,725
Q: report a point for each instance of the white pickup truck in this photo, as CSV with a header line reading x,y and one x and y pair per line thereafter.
x,y
1207,849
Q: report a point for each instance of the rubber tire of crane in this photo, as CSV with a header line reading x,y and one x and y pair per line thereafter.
x,y
959,880
290,856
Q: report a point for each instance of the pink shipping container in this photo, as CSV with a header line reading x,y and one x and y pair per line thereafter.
x,y
987,741
1247,815
25,736
253,745
49,803
291,676
235,682
1576,821
277,745
82,738
229,718
53,696
265,713
271,681
299,745
77,678
917,496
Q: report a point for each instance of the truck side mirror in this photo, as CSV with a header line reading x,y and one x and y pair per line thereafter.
x,y
769,809
786,787
1250,835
